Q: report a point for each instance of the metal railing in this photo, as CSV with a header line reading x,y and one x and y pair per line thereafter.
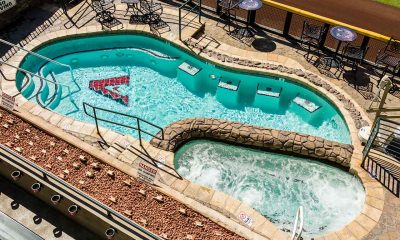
x,y
74,194
381,173
137,126
47,80
298,224
190,10
381,154
40,56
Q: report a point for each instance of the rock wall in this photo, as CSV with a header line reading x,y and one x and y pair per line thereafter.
x,y
184,130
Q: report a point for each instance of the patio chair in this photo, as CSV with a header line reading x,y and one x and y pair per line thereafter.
x,y
355,55
150,7
103,5
159,27
228,11
107,20
389,57
312,35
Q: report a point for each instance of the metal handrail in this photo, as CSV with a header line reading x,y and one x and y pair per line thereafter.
x,y
190,10
44,79
40,56
384,178
78,196
298,224
138,120
151,160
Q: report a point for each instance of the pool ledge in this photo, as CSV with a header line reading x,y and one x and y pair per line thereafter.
x,y
292,143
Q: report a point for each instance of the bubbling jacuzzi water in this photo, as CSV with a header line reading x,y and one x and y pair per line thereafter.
x,y
275,184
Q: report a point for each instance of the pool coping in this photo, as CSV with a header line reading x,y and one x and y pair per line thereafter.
x,y
374,191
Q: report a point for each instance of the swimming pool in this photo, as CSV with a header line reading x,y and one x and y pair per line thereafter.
x,y
167,84
275,184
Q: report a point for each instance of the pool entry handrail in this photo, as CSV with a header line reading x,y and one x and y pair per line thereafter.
x,y
73,194
381,154
144,155
40,56
47,80
298,224
196,6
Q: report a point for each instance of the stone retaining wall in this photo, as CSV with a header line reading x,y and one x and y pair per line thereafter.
x,y
184,130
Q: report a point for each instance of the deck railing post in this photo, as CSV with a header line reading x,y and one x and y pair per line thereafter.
x,y
365,42
218,8
324,35
288,22
200,5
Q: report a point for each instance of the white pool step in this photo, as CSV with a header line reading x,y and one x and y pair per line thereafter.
x,y
189,69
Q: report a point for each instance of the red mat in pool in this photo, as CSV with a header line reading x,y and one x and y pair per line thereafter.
x,y
100,86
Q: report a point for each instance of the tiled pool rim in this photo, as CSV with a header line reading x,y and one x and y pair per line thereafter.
x,y
374,192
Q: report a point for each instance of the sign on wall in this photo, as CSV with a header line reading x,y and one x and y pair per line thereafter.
x,y
246,219
147,173
6,4
7,101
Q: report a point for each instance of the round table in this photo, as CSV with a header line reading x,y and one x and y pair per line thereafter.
x,y
341,34
130,4
250,6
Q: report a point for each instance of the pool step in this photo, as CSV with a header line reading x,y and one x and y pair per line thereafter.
x,y
120,144
189,69
40,91
268,98
228,92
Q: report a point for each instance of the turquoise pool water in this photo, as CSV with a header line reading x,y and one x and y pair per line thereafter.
x,y
276,185
162,93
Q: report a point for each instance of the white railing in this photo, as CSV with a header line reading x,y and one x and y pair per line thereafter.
x,y
298,224
44,79
40,56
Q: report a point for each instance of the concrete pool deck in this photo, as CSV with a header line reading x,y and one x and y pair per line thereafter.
x,y
376,196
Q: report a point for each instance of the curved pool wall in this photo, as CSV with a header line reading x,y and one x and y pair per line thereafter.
x,y
161,93
275,184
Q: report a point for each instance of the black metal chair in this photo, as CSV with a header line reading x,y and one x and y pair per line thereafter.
x,y
103,5
107,20
355,55
389,57
104,14
228,11
150,7
312,36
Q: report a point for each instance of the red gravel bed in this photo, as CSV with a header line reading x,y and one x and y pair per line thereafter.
x,y
162,218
